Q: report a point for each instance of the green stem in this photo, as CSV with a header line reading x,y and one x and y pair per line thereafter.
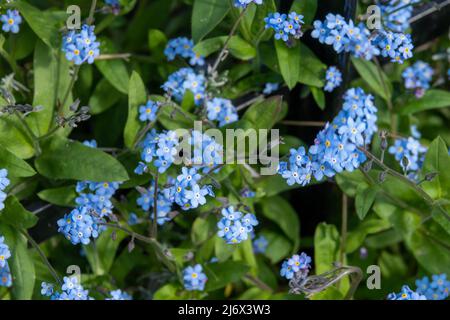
x,y
43,257
222,53
154,230
344,228
30,132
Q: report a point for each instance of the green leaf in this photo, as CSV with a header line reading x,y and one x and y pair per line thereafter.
x,y
307,8
62,196
278,248
312,70
20,263
16,167
222,249
221,274
115,71
237,46
104,97
202,229
289,62
43,23
364,200
356,237
157,42
437,160
47,90
264,115
14,214
379,83
62,158
101,255
319,97
206,15
326,247
281,213
137,96
433,99
13,136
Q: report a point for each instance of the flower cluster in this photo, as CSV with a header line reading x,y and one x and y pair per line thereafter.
x,y
5,254
260,244
70,290
11,21
221,110
187,192
186,79
335,148
194,278
165,148
149,111
4,182
98,198
286,27
79,226
119,295
334,79
271,87
409,153
245,3
418,77
357,40
435,289
183,47
81,46
406,294
164,204
396,14
298,265
234,226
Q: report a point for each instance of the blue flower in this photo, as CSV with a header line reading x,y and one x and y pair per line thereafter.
x,y
245,3
357,39
411,149
149,111
260,244
186,79
396,14
119,295
4,182
298,265
47,289
183,47
221,110
82,46
334,79
194,278
406,294
234,227
436,289
271,87
11,21
79,226
286,270
5,254
418,77
286,27
5,277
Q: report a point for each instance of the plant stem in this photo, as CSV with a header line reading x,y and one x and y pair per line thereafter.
x,y
30,132
43,257
412,184
344,228
303,123
227,42
249,102
154,231
90,19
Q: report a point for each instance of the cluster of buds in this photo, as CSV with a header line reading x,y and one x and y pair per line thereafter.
x,y
79,115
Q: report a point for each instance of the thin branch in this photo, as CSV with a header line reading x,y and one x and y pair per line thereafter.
x,y
43,257
303,123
